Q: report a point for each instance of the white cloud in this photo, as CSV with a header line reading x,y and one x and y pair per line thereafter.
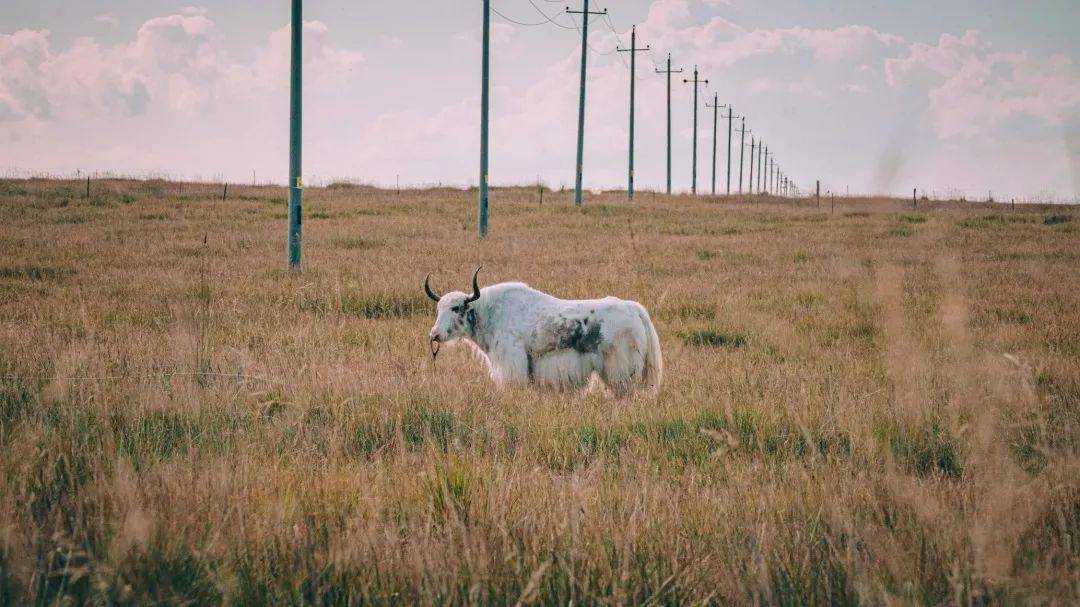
x,y
176,62
972,90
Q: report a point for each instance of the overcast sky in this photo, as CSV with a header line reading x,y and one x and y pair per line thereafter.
x,y
966,95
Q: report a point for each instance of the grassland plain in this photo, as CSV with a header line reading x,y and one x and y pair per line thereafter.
x,y
875,406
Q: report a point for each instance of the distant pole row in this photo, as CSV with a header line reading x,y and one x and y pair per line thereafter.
x,y
769,178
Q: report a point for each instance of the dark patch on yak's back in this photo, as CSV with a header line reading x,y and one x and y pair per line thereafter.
x,y
582,335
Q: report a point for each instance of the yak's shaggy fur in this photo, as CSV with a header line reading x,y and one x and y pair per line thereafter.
x,y
525,336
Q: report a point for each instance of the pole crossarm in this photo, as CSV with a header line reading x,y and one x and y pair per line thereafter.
x,y
586,11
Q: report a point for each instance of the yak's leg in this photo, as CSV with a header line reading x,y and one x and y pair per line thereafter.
x,y
509,366
624,363
563,370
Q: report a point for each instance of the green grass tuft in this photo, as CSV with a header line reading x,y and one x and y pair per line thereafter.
x,y
36,273
713,338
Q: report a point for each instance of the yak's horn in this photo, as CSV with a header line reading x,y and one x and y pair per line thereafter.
x,y
475,288
427,289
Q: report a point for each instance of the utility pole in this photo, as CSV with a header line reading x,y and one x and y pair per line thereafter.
x,y
585,13
693,171
669,72
295,116
751,177
715,107
633,50
763,155
482,202
729,117
742,149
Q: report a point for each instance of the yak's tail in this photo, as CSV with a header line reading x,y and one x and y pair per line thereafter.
x,y
654,359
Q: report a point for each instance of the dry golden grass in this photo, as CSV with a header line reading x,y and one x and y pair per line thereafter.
x,y
877,406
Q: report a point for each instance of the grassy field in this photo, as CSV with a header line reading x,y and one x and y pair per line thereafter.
x,y
868,406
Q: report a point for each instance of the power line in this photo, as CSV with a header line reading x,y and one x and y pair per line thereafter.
x,y
550,18
515,21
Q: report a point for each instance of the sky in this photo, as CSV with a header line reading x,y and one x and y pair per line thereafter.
x,y
965,97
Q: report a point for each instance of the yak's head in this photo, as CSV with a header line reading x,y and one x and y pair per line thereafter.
x,y
455,318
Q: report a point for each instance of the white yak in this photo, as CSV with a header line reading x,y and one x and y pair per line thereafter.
x,y
525,336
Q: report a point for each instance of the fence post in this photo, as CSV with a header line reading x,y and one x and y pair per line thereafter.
x,y
817,193
914,198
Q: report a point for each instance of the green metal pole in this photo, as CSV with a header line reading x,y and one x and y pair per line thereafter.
x,y
482,208
693,182
760,163
295,118
729,113
763,156
581,104
716,109
750,178
633,66
669,124
693,170
669,72
742,149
